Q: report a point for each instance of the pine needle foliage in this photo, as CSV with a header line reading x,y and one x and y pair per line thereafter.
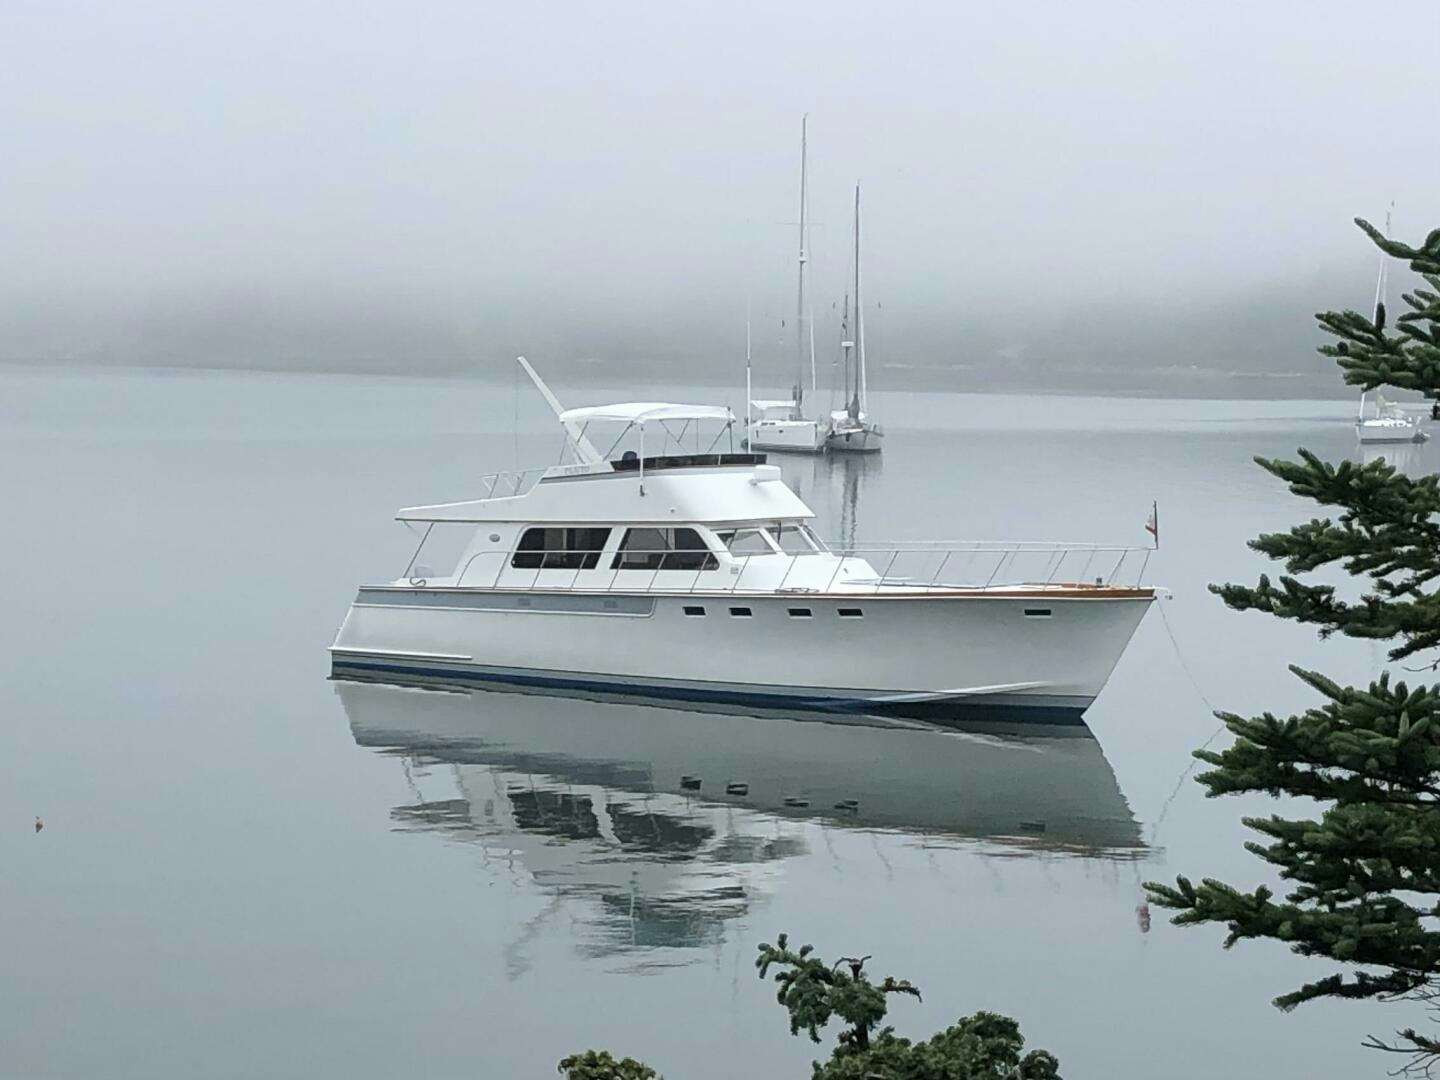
x,y
984,1046
601,1065
1362,879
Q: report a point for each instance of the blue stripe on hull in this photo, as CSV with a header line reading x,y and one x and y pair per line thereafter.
x,y
949,711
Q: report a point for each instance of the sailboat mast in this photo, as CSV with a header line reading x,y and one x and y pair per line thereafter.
x,y
859,313
1379,291
1384,265
747,371
800,299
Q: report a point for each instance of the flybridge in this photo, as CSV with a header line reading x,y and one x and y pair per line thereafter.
x,y
708,485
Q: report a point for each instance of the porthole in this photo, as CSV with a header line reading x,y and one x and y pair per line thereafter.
x,y
740,612
694,610
850,613
800,613
1037,613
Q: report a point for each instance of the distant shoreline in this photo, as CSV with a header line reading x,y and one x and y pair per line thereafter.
x,y
1143,384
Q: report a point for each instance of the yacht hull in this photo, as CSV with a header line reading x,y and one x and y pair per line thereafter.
x,y
938,658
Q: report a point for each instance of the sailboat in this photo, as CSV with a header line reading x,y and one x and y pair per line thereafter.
x,y
782,425
1390,424
851,428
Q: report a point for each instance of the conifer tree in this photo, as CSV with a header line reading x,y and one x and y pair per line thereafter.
x,y
984,1046
1363,880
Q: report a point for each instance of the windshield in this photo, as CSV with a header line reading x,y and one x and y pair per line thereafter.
x,y
747,542
792,539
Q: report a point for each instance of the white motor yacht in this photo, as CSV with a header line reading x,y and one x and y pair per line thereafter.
x,y
697,577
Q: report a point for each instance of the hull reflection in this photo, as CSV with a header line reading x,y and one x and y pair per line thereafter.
x,y
653,828
1039,791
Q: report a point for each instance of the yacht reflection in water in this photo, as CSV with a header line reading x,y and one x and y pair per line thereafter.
x,y
672,822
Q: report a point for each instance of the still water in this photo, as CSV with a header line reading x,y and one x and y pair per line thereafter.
x,y
247,869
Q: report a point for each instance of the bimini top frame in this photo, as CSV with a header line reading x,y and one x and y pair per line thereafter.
x,y
637,414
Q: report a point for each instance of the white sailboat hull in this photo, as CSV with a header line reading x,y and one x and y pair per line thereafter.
x,y
1012,657
794,436
861,439
1381,431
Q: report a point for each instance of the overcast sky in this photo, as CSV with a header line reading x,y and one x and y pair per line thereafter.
x,y
430,183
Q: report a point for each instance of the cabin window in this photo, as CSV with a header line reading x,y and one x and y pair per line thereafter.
x,y
1037,613
800,613
694,610
559,548
792,539
663,549
744,542
740,612
850,613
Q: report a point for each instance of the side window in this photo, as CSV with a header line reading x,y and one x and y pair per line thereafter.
x,y
689,552
530,552
663,549
640,549
583,547
559,548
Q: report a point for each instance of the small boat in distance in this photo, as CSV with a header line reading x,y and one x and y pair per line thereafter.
x,y
1391,423
695,576
783,425
851,429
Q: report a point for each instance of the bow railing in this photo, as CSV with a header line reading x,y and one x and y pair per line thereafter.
x,y
843,569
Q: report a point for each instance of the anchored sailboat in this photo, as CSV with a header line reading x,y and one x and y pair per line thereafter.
x,y
851,428
1390,424
782,425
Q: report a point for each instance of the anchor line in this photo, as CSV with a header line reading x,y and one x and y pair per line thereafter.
x,y
1194,761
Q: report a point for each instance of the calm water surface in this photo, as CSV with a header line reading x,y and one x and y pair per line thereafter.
x,y
247,869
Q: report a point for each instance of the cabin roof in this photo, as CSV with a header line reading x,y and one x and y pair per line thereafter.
x,y
707,492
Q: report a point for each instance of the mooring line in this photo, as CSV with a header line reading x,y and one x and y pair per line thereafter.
x,y
1194,761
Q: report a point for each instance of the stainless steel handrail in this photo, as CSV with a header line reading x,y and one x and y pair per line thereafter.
x,y
844,576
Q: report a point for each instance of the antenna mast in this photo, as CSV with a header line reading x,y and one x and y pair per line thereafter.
x,y
583,447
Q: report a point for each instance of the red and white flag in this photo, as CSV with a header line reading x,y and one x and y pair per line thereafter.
x,y
1153,525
